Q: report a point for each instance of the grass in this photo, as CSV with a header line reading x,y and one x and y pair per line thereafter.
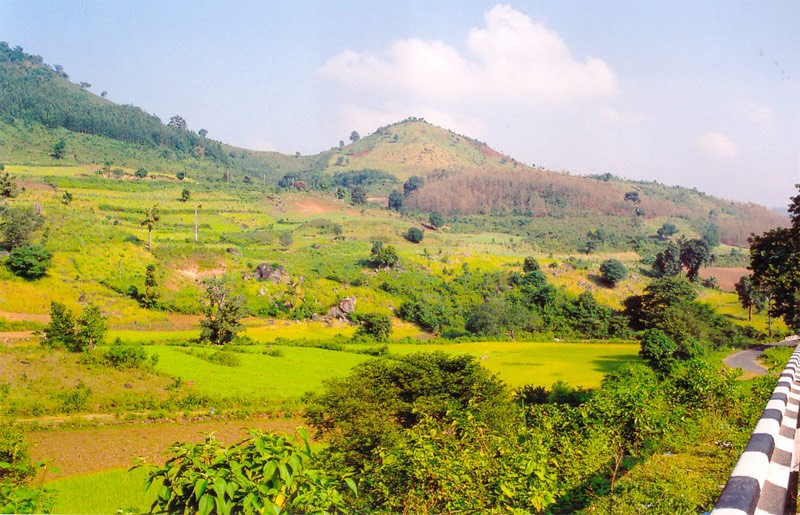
x,y
104,492
298,370
727,304
541,364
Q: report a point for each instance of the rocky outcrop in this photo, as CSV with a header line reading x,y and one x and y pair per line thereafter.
x,y
343,308
265,272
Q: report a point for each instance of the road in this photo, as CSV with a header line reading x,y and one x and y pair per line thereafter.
x,y
747,360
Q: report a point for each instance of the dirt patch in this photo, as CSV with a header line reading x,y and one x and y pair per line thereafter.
x,y
194,272
726,277
86,451
24,317
309,206
15,336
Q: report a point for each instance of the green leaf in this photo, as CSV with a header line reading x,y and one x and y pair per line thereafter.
x,y
206,505
352,485
219,488
200,488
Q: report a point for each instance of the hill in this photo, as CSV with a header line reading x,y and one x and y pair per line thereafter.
x,y
39,106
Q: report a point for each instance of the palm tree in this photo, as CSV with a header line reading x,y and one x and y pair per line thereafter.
x,y
151,219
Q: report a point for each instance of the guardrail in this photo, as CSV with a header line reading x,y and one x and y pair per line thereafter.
x,y
764,480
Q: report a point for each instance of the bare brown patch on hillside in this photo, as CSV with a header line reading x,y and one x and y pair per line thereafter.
x,y
726,277
193,272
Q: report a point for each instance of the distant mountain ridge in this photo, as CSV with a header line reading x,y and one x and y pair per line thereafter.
x,y
462,176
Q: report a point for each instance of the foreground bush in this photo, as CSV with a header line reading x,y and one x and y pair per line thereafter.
x,y
265,473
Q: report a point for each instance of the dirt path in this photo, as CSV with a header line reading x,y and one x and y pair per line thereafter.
x,y
85,451
747,360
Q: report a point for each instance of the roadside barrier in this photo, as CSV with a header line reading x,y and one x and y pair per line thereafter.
x,y
764,480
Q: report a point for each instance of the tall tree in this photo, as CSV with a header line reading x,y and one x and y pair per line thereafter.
x,y
775,262
750,296
694,254
151,219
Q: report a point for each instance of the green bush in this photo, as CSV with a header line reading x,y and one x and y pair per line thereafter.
x,y
414,234
30,261
124,355
266,473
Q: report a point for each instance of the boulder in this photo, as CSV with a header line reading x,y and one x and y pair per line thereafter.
x,y
343,308
265,272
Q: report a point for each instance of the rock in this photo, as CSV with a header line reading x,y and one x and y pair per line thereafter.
x,y
231,250
265,272
343,308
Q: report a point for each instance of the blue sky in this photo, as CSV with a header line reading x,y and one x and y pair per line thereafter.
x,y
701,94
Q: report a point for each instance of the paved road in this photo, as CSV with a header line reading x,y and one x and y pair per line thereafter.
x,y
747,360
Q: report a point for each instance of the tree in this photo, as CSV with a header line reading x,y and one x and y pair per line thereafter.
x,y
668,262
224,311
60,331
354,136
633,196
75,335
177,122
85,85
8,187
181,175
694,254
150,296
151,219
436,219
375,325
414,235
750,296
658,350
59,149
19,226
202,133
185,195
665,231
29,261
613,271
66,198
358,195
396,200
90,329
141,173
775,262
412,184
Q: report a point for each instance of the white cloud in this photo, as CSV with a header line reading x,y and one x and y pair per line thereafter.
x,y
510,59
717,145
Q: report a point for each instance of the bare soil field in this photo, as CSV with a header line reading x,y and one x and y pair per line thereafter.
x,y
726,277
86,451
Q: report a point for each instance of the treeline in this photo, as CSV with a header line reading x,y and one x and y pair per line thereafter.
x,y
546,194
30,90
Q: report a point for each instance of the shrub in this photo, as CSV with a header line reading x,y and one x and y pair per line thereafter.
x,y
414,235
375,325
658,350
124,355
613,271
266,473
29,261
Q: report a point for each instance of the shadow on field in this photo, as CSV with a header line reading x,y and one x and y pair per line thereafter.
x,y
608,364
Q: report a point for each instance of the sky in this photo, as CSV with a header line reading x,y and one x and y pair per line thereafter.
x,y
701,94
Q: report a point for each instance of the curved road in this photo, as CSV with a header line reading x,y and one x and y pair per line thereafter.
x,y
747,360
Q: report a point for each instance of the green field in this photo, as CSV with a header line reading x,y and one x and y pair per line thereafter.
x,y
542,364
